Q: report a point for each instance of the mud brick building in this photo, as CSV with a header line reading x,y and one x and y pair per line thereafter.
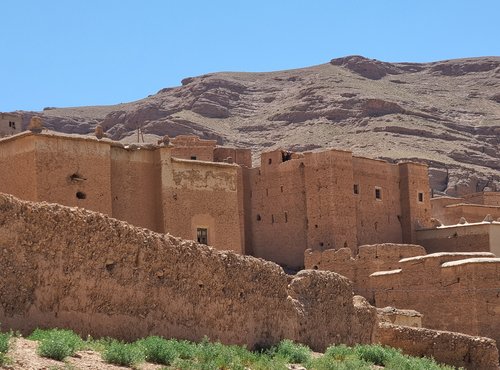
x,y
194,189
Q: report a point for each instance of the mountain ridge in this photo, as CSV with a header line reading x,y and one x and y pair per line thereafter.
x,y
445,113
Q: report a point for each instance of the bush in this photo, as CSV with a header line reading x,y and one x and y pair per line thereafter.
x,y
159,350
4,342
4,347
375,354
292,352
124,354
57,344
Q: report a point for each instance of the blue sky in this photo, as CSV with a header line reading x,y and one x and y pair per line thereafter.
x,y
89,52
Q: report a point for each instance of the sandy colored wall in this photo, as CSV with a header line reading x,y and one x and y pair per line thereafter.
x,y
6,127
458,296
58,158
243,157
377,219
205,195
278,221
484,198
17,167
331,211
467,238
455,349
192,147
416,214
358,268
74,268
136,187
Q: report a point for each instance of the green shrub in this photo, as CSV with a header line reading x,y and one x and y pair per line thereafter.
x,y
340,353
376,354
124,354
330,363
4,342
158,350
292,352
57,344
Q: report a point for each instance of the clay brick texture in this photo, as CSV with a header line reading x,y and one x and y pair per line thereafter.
x,y
68,267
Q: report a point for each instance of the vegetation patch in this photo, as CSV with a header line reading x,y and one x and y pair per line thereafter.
x,y
180,354
57,344
4,347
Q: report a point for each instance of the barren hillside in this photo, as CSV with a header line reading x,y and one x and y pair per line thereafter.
x,y
445,113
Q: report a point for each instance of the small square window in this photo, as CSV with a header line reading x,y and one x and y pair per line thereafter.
x,y
202,235
420,197
193,157
356,189
378,193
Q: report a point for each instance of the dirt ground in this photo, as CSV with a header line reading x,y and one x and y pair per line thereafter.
x,y
23,356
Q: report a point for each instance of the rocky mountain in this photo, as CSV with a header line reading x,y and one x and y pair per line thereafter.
x,y
446,114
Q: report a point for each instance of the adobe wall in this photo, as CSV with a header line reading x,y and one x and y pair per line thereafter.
x,y
17,166
73,268
358,268
136,187
243,157
484,237
416,213
473,208
192,147
454,291
485,198
74,172
455,349
10,124
330,207
277,216
203,195
377,219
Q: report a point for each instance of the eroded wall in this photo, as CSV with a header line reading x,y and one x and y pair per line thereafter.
x,y
72,268
484,237
277,219
358,268
454,291
17,167
136,187
10,124
459,350
74,172
203,195
378,220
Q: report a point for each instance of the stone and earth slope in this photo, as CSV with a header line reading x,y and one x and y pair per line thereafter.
x,y
445,113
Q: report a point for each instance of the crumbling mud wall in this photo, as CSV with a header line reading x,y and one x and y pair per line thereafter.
x,y
454,291
455,349
358,268
68,267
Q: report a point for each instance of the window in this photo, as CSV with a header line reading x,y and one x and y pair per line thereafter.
x,y
81,195
378,193
272,219
202,235
193,157
356,189
270,161
286,217
12,124
420,197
